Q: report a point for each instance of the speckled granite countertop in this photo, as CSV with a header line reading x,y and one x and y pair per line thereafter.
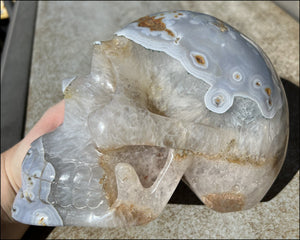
x,y
63,41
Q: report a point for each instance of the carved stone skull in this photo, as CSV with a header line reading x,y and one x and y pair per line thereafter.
x,y
173,94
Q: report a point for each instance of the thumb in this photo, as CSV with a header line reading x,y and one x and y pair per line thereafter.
x,y
51,119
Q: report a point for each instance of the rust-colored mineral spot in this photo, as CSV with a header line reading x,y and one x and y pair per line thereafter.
x,y
268,91
218,101
170,32
154,24
180,14
182,154
41,222
134,214
258,84
270,102
224,202
221,26
200,59
177,40
102,179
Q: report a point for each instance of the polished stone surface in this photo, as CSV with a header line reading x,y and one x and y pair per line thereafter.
x,y
64,35
276,219
74,26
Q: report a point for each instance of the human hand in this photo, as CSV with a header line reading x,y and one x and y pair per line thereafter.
x,y
11,162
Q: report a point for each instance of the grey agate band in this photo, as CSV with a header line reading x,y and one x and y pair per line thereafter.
x,y
37,175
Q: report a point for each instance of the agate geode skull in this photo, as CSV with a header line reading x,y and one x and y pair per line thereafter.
x,y
172,95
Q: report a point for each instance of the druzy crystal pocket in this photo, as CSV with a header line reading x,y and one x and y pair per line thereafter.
x,y
172,95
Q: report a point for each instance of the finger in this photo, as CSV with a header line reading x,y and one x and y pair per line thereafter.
x,y
51,119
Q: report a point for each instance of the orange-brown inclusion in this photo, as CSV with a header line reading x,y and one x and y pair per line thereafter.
x,y
237,76
218,101
154,24
270,102
221,26
224,202
200,59
134,214
268,91
170,32
257,84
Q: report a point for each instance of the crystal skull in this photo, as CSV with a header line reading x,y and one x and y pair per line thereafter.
x,y
173,94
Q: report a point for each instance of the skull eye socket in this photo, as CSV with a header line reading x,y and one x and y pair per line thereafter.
x,y
153,108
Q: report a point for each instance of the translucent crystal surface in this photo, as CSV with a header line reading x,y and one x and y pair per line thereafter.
x,y
139,122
